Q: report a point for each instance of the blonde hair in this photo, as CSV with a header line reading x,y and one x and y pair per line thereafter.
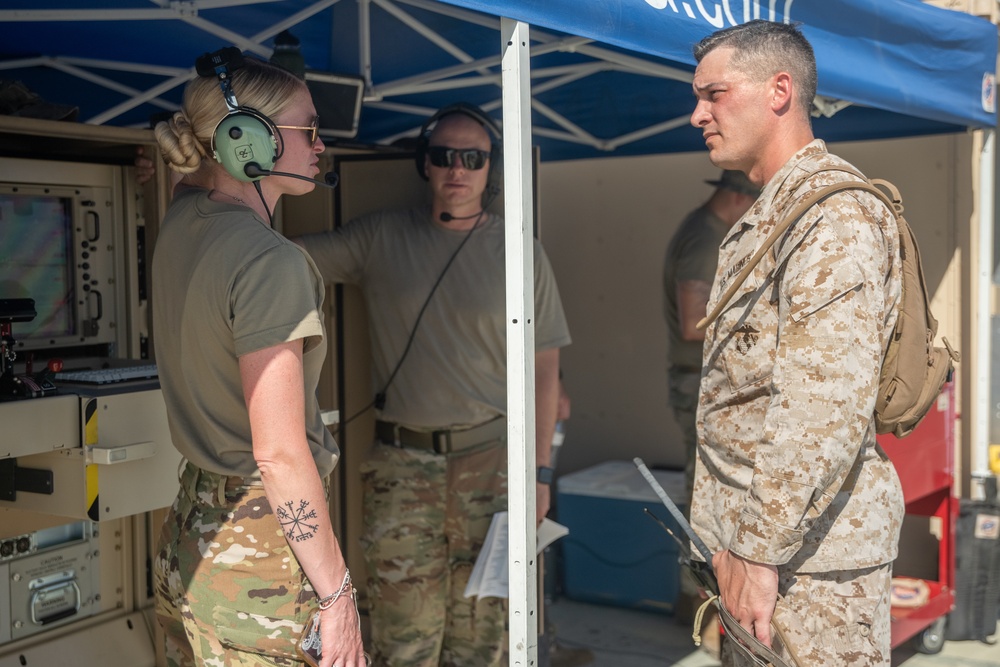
x,y
186,139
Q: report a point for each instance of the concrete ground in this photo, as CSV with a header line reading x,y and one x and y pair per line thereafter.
x,y
605,636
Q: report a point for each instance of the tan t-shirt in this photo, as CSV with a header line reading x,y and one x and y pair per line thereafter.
x,y
225,284
455,373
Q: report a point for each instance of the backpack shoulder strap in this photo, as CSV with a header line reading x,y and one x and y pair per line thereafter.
x,y
800,209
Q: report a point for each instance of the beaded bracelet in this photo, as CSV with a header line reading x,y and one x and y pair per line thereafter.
x,y
331,599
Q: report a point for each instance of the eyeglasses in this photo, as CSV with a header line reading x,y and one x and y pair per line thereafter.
x,y
472,158
312,130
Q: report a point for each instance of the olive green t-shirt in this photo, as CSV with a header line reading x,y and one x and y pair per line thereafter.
x,y
225,284
693,254
455,373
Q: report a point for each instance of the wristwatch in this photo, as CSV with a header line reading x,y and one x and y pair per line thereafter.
x,y
545,474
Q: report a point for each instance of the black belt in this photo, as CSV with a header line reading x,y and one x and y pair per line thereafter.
x,y
442,441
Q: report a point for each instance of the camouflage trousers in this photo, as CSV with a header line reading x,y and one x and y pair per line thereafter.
x,y
425,519
229,591
841,619
683,397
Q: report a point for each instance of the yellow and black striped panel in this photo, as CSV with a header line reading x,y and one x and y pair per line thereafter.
x,y
89,440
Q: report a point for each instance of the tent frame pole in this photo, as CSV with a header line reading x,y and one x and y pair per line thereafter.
x,y
983,316
519,243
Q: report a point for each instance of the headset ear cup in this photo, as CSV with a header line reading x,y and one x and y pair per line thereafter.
x,y
494,178
244,137
421,157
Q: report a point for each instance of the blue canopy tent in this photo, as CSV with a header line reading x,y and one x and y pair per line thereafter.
x,y
588,79
608,76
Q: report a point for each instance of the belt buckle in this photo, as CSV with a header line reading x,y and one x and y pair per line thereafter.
x,y
441,442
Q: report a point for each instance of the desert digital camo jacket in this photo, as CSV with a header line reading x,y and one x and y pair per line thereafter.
x,y
788,469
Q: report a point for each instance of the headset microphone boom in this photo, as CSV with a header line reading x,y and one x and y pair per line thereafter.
x,y
254,170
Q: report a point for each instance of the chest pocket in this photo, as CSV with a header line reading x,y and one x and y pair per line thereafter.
x,y
826,273
751,322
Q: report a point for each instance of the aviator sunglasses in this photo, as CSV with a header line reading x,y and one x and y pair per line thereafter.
x,y
312,131
472,158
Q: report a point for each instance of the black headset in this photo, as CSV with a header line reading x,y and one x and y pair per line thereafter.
x,y
244,136
465,109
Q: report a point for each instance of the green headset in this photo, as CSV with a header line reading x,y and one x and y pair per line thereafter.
x,y
244,136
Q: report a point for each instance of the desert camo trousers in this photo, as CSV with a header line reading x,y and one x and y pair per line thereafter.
x,y
229,591
425,518
843,619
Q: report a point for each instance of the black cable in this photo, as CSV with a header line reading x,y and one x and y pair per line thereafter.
x,y
413,332
379,401
345,422
270,218
279,141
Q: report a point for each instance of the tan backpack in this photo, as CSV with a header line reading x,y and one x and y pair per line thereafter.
x,y
914,369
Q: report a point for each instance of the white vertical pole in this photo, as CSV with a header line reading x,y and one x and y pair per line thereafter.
x,y
520,343
984,280
365,42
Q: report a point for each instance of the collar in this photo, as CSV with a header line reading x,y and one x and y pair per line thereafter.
x,y
776,192
787,179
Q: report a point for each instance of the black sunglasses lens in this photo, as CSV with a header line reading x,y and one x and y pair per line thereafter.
x,y
440,156
472,158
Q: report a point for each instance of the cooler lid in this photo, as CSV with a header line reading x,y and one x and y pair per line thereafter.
x,y
622,480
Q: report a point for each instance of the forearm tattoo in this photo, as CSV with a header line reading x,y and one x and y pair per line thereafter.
x,y
296,521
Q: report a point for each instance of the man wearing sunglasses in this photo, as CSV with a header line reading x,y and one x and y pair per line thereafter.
x,y
433,278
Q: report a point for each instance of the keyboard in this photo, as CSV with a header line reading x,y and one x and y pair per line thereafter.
x,y
109,375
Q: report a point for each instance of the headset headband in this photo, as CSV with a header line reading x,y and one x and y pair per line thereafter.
x,y
465,109
244,136
221,64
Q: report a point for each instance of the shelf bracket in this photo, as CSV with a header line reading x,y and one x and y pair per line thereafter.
x,y
30,480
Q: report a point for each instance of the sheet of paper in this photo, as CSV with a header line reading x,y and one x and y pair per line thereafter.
x,y
490,572
549,532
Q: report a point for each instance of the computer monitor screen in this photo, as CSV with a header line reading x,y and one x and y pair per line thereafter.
x,y
36,260
338,100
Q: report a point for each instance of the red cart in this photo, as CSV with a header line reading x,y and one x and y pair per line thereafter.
x,y
924,461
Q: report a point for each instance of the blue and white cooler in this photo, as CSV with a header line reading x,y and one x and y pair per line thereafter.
x,y
615,554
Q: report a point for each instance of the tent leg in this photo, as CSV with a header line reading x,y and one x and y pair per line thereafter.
x,y
983,319
523,572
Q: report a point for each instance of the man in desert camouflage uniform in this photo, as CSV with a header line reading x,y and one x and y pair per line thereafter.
x,y
437,473
792,493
